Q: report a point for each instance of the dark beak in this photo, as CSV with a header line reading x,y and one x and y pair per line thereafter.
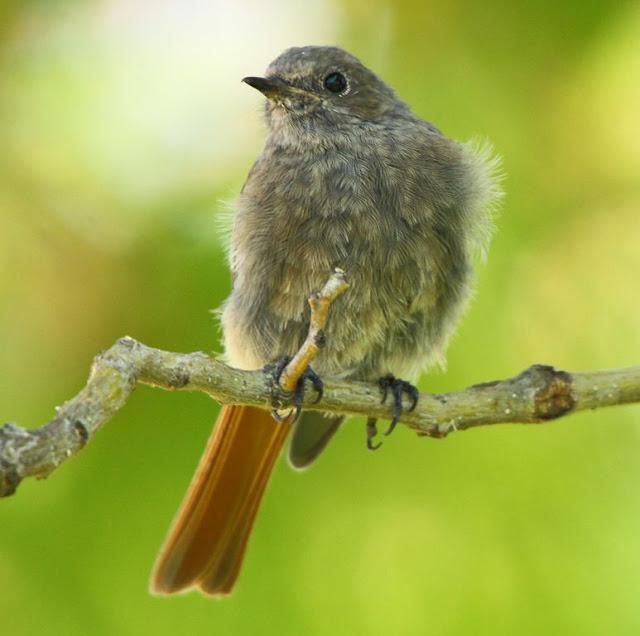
x,y
268,86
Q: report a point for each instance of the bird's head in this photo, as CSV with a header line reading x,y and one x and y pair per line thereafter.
x,y
322,88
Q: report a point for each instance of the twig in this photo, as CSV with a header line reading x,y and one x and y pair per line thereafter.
x,y
320,304
539,394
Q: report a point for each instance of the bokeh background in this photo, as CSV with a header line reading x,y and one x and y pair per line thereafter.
x,y
124,130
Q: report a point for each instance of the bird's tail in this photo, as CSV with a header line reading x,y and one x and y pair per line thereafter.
x,y
208,538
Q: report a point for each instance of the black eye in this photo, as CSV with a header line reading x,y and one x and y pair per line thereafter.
x,y
335,82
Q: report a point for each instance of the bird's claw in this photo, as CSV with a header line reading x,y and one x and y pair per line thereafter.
x,y
372,431
298,394
318,386
389,383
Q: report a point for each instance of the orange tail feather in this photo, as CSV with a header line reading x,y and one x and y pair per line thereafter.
x,y
208,538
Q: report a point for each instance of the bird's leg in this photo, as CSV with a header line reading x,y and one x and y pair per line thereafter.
x,y
389,383
276,369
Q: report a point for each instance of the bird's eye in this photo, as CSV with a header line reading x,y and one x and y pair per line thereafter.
x,y
335,82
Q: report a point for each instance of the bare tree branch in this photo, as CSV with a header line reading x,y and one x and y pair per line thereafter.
x,y
320,304
539,394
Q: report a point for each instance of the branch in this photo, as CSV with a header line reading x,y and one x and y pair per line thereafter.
x,y
539,394
320,304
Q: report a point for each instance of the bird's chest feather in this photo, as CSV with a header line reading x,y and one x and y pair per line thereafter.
x,y
332,210
301,216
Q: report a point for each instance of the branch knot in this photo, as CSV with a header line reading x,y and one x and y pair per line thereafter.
x,y
554,397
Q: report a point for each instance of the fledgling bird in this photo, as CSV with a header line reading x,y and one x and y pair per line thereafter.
x,y
349,177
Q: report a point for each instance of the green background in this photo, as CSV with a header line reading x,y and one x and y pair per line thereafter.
x,y
124,132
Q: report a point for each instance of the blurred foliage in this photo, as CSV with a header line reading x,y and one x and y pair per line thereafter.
x,y
124,130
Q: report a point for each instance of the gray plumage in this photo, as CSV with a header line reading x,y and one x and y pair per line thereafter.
x,y
353,180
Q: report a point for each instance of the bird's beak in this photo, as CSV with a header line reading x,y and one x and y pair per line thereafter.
x,y
270,87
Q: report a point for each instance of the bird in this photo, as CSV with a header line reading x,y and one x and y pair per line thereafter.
x,y
349,177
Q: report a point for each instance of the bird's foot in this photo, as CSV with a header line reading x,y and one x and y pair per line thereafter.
x,y
390,383
309,375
